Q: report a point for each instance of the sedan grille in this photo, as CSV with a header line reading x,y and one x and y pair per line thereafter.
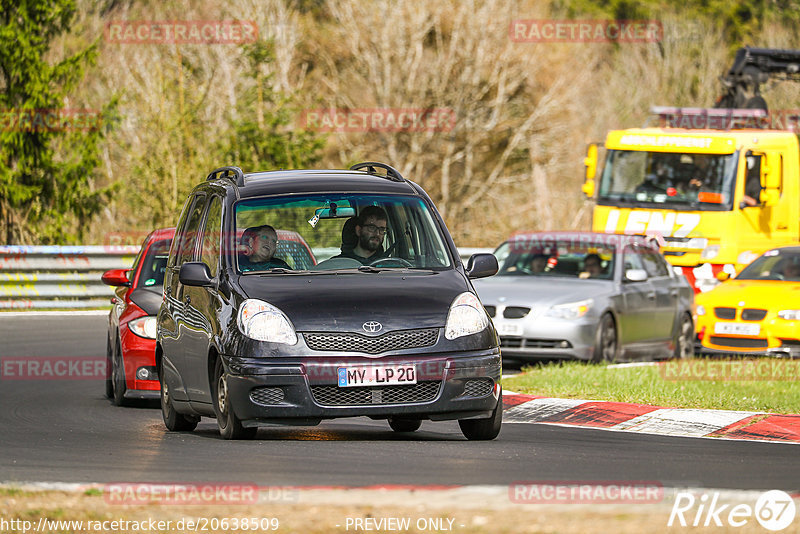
x,y
725,313
267,396
515,312
397,340
533,343
364,396
753,314
739,342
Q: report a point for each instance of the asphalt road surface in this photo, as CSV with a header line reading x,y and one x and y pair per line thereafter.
x,y
66,431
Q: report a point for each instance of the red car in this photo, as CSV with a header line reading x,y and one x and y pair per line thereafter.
x,y
131,343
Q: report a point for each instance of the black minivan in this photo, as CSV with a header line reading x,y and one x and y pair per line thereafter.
x,y
296,296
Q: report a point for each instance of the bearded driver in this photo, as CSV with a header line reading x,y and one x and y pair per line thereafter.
x,y
370,229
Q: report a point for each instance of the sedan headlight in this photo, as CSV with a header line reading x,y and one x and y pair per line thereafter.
x,y
144,327
789,315
262,321
466,316
570,310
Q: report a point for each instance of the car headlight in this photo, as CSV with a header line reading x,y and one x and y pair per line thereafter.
x,y
144,327
466,316
789,315
262,321
709,253
570,310
700,310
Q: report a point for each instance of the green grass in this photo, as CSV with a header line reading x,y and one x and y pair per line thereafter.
x,y
675,384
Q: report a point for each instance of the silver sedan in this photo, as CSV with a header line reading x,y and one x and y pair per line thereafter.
x,y
587,296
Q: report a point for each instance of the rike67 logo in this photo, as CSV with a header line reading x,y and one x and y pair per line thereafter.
x,y
774,510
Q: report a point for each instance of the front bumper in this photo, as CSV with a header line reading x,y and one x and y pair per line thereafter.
x,y
450,386
547,339
777,337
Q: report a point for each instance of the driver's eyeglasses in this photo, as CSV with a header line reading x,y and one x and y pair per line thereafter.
x,y
375,229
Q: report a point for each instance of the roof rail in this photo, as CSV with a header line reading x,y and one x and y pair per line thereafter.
x,y
235,173
391,173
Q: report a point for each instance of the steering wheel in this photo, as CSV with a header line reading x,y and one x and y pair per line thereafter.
x,y
380,262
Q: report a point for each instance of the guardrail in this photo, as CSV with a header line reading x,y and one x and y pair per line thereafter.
x,y
47,277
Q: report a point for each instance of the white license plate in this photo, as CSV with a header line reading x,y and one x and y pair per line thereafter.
x,y
377,375
509,329
739,329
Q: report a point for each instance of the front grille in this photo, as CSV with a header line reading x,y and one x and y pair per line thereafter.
x,y
510,342
533,343
491,310
515,312
791,343
739,342
267,396
361,396
399,339
725,313
478,388
753,314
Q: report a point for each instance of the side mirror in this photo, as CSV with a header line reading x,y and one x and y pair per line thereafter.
x,y
117,277
590,161
770,181
635,275
482,265
195,273
722,276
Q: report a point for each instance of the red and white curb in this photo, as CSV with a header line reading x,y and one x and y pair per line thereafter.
x,y
621,416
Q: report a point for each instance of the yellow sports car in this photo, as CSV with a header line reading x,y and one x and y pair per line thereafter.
x,y
757,312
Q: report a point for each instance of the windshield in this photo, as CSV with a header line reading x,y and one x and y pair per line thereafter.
x,y
330,232
773,265
154,265
674,180
556,258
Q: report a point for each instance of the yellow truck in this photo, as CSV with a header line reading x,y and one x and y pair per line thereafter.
x,y
716,186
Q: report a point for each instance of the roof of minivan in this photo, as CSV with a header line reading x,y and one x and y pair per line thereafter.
x,y
309,181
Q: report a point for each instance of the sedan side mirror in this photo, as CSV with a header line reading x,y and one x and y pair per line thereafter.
x,y
482,265
116,277
635,275
195,273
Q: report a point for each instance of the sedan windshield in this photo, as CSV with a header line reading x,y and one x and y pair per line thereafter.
x,y
773,265
565,258
331,232
676,180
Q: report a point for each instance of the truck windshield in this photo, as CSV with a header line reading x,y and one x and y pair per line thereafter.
x,y
680,181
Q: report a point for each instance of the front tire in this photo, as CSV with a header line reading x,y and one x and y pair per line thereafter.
x,y
109,375
484,429
118,384
173,420
606,348
230,426
684,343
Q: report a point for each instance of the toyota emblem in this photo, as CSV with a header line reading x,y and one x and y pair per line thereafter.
x,y
372,326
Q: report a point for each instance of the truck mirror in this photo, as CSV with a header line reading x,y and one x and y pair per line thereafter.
x,y
590,161
770,181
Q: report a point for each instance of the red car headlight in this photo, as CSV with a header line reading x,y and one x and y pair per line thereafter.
x,y
144,327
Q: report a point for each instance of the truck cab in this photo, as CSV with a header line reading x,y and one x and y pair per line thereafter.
x,y
716,197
